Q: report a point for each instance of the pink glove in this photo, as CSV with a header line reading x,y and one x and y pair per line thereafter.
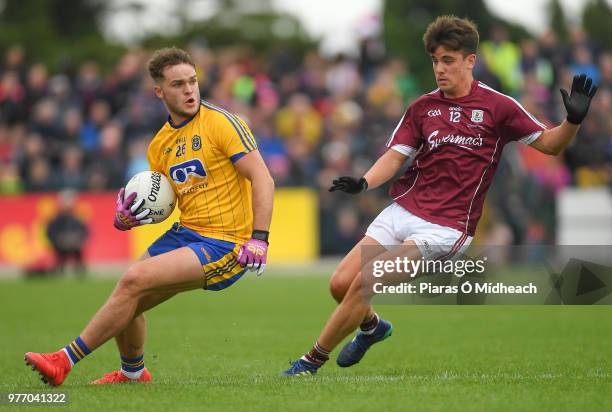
x,y
124,213
252,255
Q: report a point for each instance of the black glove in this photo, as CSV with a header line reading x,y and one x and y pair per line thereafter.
x,y
578,102
349,184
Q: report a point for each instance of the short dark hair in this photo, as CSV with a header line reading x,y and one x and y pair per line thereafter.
x,y
453,33
169,56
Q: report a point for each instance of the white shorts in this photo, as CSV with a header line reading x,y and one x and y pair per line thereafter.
x,y
394,225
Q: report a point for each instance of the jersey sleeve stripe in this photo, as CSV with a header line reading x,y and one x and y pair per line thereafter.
x,y
248,134
388,144
232,121
404,149
253,140
237,157
531,138
532,117
244,130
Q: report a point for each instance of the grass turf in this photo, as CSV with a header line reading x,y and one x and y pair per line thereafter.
x,y
224,351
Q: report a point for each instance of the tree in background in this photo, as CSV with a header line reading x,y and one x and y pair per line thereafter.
x,y
54,31
596,20
254,24
59,32
557,20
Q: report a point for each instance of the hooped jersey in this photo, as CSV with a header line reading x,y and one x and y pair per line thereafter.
x,y
197,156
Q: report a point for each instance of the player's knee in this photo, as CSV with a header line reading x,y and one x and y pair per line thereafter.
x,y
338,286
133,280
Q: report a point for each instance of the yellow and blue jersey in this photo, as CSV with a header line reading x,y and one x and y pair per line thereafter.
x,y
198,158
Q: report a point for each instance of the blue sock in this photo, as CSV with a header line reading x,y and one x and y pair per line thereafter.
x,y
76,350
132,368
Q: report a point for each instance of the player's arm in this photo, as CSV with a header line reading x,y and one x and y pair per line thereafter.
x,y
384,169
254,169
253,254
553,141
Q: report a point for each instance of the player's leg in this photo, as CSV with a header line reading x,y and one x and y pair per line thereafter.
x,y
168,273
130,343
379,234
62,260
350,266
176,271
220,269
349,314
80,268
435,241
356,303
423,240
344,275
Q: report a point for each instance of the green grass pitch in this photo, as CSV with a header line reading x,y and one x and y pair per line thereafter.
x,y
224,351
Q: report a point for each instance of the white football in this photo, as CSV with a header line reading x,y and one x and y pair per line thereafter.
x,y
156,191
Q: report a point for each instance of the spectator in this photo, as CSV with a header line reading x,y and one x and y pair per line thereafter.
x,y
69,175
503,58
299,120
111,157
67,234
99,115
38,176
582,62
313,118
12,99
36,86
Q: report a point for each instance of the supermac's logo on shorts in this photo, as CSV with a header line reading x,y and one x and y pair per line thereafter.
x,y
189,174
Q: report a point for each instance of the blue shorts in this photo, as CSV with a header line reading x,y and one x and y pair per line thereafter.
x,y
218,257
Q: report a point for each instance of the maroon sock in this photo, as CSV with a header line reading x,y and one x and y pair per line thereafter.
x,y
317,355
369,325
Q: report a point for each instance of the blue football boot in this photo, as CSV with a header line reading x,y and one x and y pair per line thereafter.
x,y
354,350
301,368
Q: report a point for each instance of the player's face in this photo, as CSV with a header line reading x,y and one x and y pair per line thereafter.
x,y
453,71
179,91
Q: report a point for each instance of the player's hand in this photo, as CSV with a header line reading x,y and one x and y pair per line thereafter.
x,y
578,101
349,184
253,255
125,217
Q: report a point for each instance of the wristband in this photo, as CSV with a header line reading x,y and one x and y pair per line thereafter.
x,y
260,235
364,182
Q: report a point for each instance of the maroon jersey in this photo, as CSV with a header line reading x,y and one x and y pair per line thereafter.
x,y
458,144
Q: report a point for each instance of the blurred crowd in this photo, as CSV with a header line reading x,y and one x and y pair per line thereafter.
x,y
314,118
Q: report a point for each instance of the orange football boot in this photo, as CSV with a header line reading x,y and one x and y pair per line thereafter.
x,y
53,367
119,377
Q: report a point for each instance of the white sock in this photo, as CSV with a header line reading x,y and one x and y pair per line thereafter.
x,y
133,375
69,358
